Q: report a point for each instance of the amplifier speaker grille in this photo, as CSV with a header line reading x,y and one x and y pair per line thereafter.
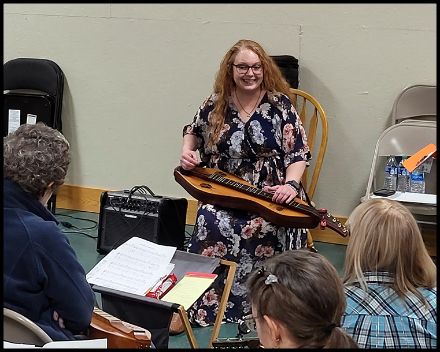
x,y
157,219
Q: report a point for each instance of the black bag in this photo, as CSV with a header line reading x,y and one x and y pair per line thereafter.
x,y
32,92
20,107
35,87
289,68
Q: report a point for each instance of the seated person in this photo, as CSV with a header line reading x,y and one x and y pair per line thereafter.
x,y
42,278
297,302
390,279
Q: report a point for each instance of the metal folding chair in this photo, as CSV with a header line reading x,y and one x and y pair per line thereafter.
x,y
403,139
417,102
19,329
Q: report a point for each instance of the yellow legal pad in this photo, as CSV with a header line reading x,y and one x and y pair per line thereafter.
x,y
189,288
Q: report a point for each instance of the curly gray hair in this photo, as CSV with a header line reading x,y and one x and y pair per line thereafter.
x,y
34,156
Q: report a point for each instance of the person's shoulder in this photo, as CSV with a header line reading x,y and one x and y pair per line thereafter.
x,y
40,233
276,95
46,233
428,292
352,289
209,101
278,98
30,220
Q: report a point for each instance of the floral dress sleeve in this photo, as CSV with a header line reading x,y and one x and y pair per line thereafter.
x,y
199,126
294,139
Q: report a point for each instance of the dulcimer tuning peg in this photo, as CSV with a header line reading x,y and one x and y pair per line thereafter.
x,y
323,221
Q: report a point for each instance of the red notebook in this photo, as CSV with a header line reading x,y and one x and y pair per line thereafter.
x,y
203,275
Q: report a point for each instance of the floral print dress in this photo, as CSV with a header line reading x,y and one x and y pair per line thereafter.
x,y
258,151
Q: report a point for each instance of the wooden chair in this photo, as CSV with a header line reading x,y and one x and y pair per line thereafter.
x,y
314,120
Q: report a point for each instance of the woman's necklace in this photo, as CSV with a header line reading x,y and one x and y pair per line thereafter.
x,y
239,103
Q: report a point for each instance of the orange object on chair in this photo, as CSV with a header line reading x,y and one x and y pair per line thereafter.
x,y
420,157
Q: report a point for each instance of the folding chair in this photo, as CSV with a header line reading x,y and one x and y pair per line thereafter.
x,y
19,329
403,139
417,102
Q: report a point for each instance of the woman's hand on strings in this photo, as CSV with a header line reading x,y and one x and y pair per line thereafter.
x,y
188,159
281,193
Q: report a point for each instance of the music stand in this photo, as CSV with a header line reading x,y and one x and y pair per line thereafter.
x,y
155,315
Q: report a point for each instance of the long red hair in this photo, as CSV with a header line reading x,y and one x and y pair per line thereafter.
x,y
273,80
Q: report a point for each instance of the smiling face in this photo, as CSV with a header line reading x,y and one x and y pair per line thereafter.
x,y
250,80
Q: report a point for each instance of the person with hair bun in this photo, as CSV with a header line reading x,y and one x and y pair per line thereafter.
x,y
297,301
390,279
42,278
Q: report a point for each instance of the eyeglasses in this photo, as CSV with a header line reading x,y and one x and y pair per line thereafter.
x,y
243,69
250,323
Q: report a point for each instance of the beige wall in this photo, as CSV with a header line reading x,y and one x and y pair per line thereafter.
x,y
135,74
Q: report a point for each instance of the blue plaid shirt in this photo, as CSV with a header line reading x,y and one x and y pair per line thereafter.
x,y
380,319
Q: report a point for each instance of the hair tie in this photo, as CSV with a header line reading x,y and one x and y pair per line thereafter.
x,y
330,327
270,279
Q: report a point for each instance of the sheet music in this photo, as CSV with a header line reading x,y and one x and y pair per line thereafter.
x,y
133,267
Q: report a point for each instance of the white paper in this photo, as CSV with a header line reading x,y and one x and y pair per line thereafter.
x,y
7,344
133,267
13,120
411,197
96,343
31,119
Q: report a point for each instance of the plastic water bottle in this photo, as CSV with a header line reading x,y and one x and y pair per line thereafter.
x,y
403,184
390,179
417,181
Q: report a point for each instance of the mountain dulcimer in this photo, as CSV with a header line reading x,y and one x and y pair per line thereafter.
x,y
119,334
221,188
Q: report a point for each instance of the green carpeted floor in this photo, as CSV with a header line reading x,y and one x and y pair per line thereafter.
x,y
82,231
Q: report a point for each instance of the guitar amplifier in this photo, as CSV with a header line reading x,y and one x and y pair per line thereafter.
x,y
124,215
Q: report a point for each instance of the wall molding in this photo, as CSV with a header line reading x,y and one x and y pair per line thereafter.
x,y
79,198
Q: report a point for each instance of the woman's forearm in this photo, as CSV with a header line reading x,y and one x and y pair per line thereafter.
x,y
189,142
295,171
